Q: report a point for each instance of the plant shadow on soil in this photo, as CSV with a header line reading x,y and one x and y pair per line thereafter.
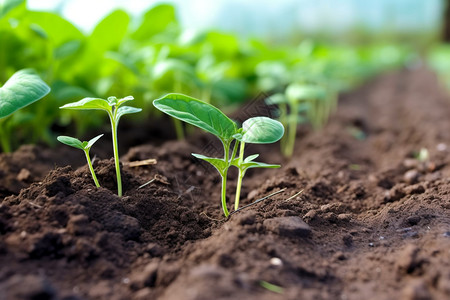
x,y
360,216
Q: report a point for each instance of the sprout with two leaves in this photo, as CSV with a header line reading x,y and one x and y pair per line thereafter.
x,y
115,110
85,146
258,130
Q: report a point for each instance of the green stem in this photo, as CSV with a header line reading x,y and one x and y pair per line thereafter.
x,y
178,129
116,153
292,132
91,168
223,174
4,139
224,194
240,177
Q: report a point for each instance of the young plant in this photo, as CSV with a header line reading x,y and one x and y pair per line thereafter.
x,y
258,130
115,110
22,89
85,146
300,102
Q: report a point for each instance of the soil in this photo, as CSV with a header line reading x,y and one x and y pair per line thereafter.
x,y
360,214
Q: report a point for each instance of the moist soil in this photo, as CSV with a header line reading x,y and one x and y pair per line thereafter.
x,y
360,214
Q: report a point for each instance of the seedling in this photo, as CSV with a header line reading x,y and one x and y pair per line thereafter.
x,y
22,89
85,146
300,103
115,110
258,130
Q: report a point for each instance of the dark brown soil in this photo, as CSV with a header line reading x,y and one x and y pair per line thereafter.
x,y
360,216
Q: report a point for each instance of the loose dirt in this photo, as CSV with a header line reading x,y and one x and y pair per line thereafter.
x,y
362,215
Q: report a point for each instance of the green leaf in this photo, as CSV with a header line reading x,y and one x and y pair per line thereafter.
x,y
123,100
219,163
22,89
7,5
197,113
70,141
109,33
248,163
89,103
155,21
250,158
124,110
261,130
92,141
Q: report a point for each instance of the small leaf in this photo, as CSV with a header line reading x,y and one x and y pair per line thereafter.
x,y
261,130
22,89
197,113
219,163
92,142
70,141
124,110
125,99
248,164
250,158
89,103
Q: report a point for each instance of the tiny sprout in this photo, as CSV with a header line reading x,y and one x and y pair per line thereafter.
x,y
85,146
115,110
258,130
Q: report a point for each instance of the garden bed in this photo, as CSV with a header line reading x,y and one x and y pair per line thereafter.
x,y
360,217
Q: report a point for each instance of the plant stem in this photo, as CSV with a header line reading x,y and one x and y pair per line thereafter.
x,y
116,152
4,139
223,174
91,168
292,132
240,177
178,129
224,194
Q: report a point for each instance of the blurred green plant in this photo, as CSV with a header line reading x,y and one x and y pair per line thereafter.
x,y
22,89
157,56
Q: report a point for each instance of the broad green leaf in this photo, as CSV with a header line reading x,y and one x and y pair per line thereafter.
x,y
197,113
70,141
219,163
58,29
155,21
92,141
261,130
7,5
22,89
109,33
124,110
89,103
296,92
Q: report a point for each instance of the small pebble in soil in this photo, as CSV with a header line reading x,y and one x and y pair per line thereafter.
x,y
288,226
411,176
275,261
371,245
441,147
446,234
